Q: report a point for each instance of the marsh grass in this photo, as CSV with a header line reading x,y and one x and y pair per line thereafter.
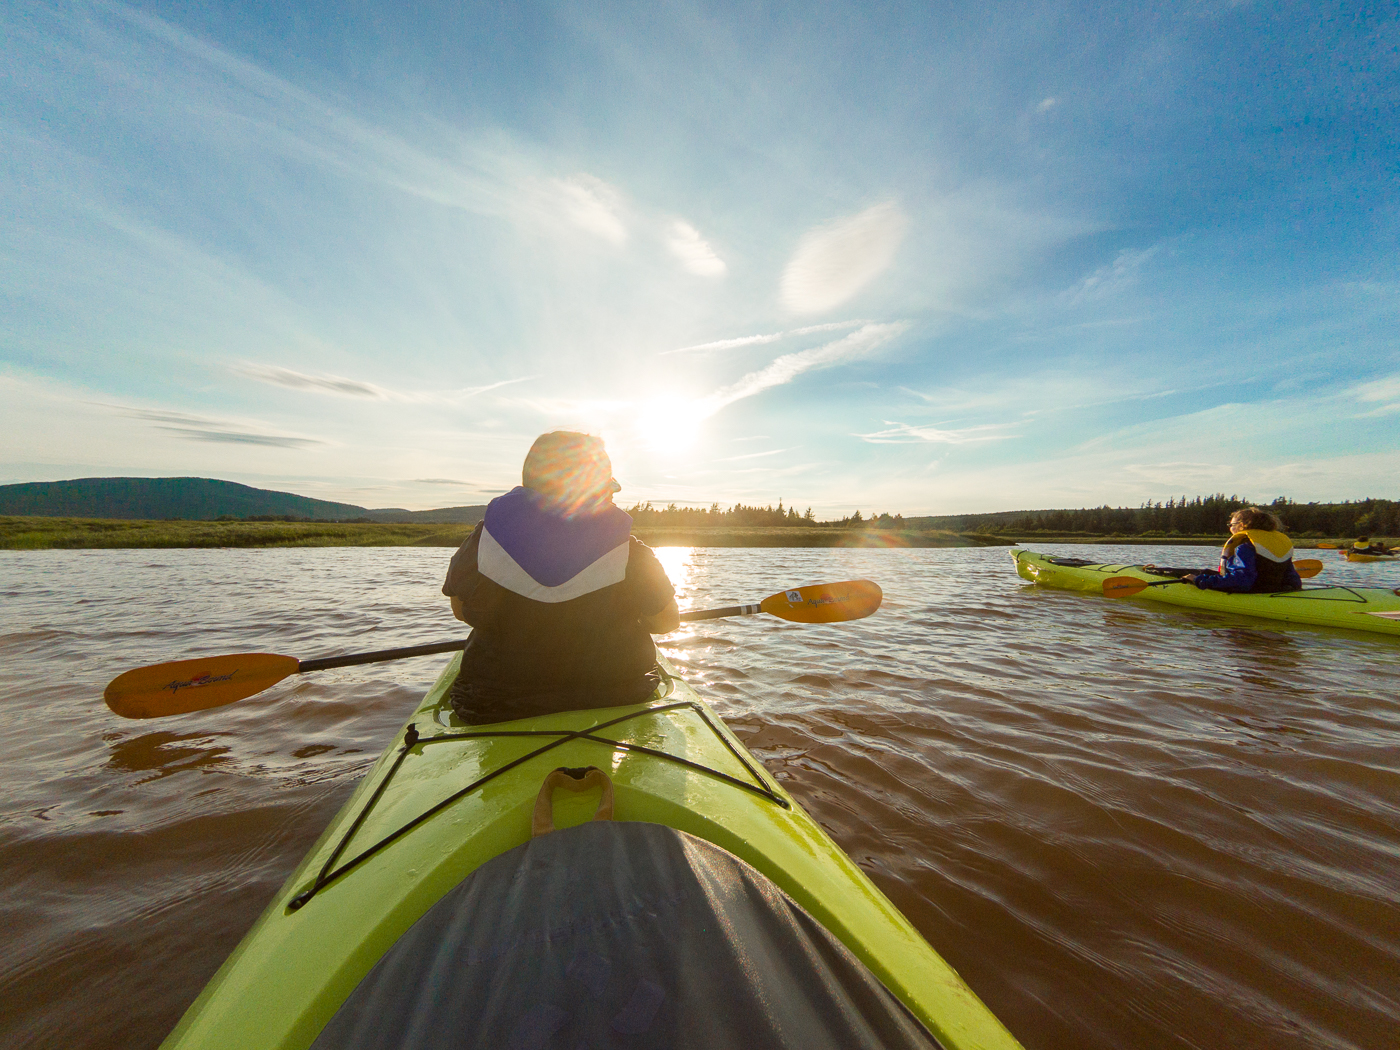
x,y
25,533
18,533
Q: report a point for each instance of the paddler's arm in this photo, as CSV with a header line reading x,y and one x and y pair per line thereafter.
x,y
650,588
462,575
1239,575
664,622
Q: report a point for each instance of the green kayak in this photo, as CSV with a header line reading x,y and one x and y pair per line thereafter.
x,y
1355,608
427,907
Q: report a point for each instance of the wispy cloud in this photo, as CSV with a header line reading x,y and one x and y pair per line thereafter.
x,y
1384,393
208,428
754,455
756,340
325,384
834,262
908,434
341,386
694,251
1113,278
788,367
593,206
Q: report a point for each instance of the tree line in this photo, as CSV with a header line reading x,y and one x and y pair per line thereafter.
x,y
1201,516
737,515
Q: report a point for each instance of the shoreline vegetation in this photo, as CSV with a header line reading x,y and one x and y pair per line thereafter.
x,y
34,533
43,533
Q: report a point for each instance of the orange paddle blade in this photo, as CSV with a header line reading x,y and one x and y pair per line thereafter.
x,y
1124,586
826,602
1308,567
192,685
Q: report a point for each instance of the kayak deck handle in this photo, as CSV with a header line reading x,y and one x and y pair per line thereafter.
x,y
579,779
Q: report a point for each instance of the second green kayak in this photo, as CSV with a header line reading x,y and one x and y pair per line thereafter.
x,y
402,925
1371,609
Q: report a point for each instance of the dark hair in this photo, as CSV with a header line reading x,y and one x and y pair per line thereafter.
x,y
1256,518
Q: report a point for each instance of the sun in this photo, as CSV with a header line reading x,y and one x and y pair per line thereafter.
x,y
669,425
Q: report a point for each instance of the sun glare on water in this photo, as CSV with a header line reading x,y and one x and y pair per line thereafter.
x,y
679,564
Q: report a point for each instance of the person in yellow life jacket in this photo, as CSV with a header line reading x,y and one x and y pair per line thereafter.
x,y
1363,545
562,599
1257,558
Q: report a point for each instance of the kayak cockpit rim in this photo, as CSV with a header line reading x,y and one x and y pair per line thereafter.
x,y
330,872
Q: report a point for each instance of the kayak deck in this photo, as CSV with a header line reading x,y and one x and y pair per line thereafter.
x,y
447,797
1370,609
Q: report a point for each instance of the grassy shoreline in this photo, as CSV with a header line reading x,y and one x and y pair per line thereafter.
x,y
31,533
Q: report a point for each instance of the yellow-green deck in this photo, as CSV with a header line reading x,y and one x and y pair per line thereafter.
x,y
295,967
1356,608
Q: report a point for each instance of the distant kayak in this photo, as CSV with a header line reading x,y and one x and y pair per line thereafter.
x,y
1358,556
1372,609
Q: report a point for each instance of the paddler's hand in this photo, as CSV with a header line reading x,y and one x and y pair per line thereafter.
x,y
664,622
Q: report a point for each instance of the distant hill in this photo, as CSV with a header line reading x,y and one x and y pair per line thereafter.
x,y
195,499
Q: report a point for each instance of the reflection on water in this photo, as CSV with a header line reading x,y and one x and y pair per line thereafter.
x,y
164,752
1126,825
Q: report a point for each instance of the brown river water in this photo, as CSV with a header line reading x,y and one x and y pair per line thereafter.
x,y
1125,825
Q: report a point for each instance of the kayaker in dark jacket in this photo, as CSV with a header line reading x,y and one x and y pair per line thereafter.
x,y
1256,559
562,599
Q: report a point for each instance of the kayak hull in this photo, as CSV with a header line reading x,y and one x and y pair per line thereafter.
x,y
429,814
1370,609
1358,556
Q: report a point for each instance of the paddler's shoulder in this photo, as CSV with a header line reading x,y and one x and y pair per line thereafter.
x,y
1274,543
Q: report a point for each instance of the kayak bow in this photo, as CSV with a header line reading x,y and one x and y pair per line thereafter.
x,y
446,800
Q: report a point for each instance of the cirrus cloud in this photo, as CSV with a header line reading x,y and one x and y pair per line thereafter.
x,y
694,251
788,367
834,262
275,375
906,434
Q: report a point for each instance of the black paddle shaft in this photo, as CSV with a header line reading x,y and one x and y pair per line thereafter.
x,y
327,662
715,614
384,654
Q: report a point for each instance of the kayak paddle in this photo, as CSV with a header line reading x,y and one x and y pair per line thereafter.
x,y
1127,586
181,686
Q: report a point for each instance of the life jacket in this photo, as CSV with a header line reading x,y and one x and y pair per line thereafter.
x,y
556,602
531,550
1273,558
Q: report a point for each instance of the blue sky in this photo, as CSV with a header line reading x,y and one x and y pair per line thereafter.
x,y
930,258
